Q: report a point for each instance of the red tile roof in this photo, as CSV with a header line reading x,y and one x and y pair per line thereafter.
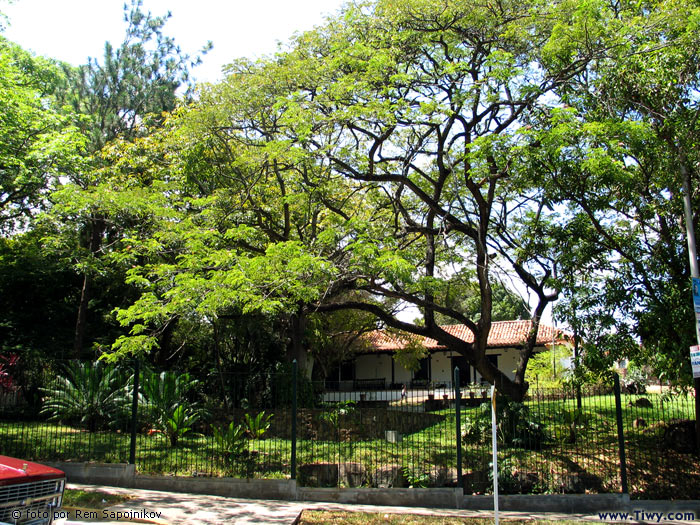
x,y
502,334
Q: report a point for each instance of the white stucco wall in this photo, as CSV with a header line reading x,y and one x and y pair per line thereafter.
x,y
441,367
375,366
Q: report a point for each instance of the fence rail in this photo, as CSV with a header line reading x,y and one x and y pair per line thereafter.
x,y
280,426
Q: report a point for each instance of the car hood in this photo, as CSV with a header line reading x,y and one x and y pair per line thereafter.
x,y
13,470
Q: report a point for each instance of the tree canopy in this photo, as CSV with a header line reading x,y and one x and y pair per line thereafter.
x,y
433,154
38,143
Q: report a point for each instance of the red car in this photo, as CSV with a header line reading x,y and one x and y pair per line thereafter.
x,y
30,493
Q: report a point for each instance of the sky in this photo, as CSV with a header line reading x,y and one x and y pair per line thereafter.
x,y
73,30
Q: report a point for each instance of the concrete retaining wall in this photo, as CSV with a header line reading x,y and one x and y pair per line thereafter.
x,y
113,474
284,489
439,497
123,475
566,503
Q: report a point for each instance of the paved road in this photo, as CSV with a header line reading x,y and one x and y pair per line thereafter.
x,y
177,508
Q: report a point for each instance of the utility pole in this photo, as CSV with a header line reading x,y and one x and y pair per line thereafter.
x,y
694,272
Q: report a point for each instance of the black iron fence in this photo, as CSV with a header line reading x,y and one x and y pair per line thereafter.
x,y
279,425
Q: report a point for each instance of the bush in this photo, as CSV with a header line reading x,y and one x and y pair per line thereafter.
x,y
515,427
230,443
476,429
91,394
257,426
164,397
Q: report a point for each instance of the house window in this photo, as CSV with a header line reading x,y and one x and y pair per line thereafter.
x,y
493,359
464,370
423,373
345,371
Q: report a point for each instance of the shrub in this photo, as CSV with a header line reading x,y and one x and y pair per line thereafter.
x,y
476,429
92,394
163,399
257,426
515,427
230,442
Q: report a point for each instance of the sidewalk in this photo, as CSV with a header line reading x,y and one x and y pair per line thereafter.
x,y
179,508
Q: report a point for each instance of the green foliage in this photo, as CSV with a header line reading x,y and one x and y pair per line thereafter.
x,y
257,426
617,161
179,423
283,387
515,426
508,482
414,152
38,144
138,78
230,441
463,295
283,195
410,354
94,395
165,403
416,479
476,429
339,410
576,421
550,368
37,296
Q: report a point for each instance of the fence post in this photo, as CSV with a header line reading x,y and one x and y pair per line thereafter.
x,y
458,424
134,412
620,434
294,419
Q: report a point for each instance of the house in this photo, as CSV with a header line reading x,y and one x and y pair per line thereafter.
x,y
374,368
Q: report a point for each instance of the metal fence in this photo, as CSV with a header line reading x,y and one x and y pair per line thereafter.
x,y
278,425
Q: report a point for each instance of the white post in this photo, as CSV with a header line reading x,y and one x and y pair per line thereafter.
x,y
495,453
694,272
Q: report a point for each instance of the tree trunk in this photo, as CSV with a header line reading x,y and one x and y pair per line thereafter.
x,y
94,245
82,317
298,350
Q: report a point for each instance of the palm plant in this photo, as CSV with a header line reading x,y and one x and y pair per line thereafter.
x,y
92,394
230,441
163,398
257,426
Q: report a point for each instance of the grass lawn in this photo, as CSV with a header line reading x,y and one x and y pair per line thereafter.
x,y
90,499
582,450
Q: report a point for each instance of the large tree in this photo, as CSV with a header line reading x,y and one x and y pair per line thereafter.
x,y
373,161
425,102
134,83
616,160
38,143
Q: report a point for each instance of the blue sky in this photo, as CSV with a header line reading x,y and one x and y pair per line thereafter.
x,y
73,30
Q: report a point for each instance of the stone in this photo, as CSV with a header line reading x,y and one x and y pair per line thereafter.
x,y
442,476
526,481
640,422
679,435
641,402
352,474
388,476
578,482
318,475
